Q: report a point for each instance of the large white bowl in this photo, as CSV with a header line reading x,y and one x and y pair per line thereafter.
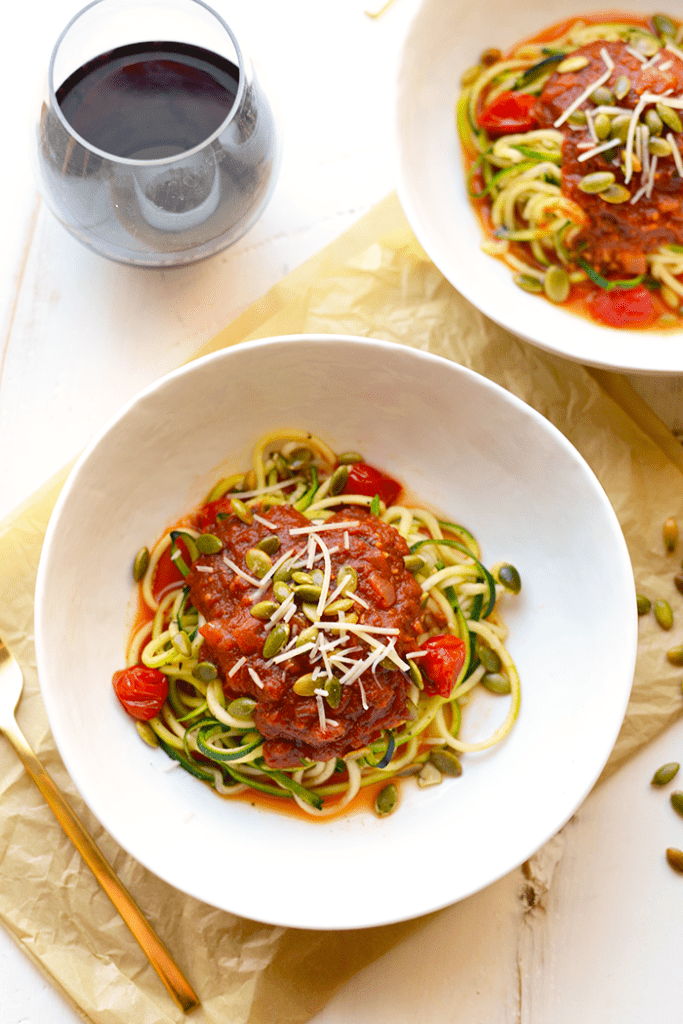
x,y
444,40
464,445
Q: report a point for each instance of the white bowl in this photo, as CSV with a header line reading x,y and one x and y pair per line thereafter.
x,y
444,40
465,446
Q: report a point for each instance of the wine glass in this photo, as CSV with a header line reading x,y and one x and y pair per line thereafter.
x,y
155,144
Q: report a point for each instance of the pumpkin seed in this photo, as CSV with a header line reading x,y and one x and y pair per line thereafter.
x,y
528,283
468,77
490,56
654,122
447,762
644,42
675,858
488,657
622,87
263,610
281,591
663,613
659,147
596,182
675,655
413,563
269,544
258,562
241,707
670,534
603,126
348,458
141,564
307,592
664,26
678,582
348,573
615,194
307,636
301,577
620,125
311,611
495,682
241,511
676,799
509,577
208,543
556,284
602,97
283,573
306,685
386,800
334,692
415,674
429,775
578,117
338,480
644,603
276,639
669,116
573,63
664,774
342,604
205,671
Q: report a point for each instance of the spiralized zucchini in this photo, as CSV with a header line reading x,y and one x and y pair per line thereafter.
x,y
517,178
216,739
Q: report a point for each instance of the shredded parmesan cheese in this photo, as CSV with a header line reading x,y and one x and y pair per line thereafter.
x,y
236,667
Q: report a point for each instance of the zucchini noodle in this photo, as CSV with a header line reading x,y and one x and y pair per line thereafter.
x,y
214,735
537,221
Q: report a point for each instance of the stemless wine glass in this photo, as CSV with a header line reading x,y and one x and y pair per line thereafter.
x,y
156,144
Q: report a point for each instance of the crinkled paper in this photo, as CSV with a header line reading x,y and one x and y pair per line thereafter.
x,y
375,281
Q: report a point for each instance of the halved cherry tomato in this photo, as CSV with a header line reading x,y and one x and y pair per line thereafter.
x,y
141,691
442,664
509,112
623,307
167,574
365,479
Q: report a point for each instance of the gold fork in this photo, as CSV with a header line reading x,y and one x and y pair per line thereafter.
x,y
11,685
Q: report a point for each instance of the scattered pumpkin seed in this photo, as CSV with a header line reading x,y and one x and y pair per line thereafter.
x,y
208,543
338,480
619,128
415,674
348,573
488,657
281,591
664,774
678,582
258,562
664,26
447,762
676,799
283,573
429,775
644,603
348,458
241,707
573,63
602,97
596,182
141,564
269,544
490,56
510,578
675,655
468,77
603,126
276,639
298,576
495,682
670,534
386,800
654,122
528,283
615,194
307,636
307,592
556,284
334,692
578,117
663,613
675,858
644,42
622,87
263,610
311,611
241,511
306,685
669,117
205,671
659,147
342,604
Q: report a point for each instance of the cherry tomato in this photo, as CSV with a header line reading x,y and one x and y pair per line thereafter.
x,y
142,691
623,307
167,574
509,112
365,479
442,663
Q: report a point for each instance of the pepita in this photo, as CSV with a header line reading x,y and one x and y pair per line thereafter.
x,y
596,182
298,576
341,604
338,480
670,534
386,800
283,573
495,682
573,63
282,466
615,194
509,577
603,126
281,591
429,775
258,562
676,799
669,117
334,692
306,685
663,613
241,511
147,733
348,574
241,707
307,592
276,639
659,147
205,671
654,122
141,564
208,543
447,762
528,283
578,117
556,284
602,97
307,636
675,655
468,77
311,611
664,26
269,544
622,87
644,603
488,657
678,582
675,858
620,126
415,674
348,458
263,610
665,774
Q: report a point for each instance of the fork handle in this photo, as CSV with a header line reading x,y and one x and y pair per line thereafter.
x,y
150,943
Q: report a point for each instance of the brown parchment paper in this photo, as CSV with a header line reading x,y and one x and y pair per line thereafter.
x,y
374,281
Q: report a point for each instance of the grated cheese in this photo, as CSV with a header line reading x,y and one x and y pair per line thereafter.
x,y
291,652
346,540
321,713
236,667
651,178
599,149
255,676
588,90
294,531
637,54
676,153
238,572
265,522
204,568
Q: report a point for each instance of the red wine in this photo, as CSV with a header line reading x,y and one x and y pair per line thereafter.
x,y
147,101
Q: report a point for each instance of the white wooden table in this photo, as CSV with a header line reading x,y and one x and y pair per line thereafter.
x,y
595,932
